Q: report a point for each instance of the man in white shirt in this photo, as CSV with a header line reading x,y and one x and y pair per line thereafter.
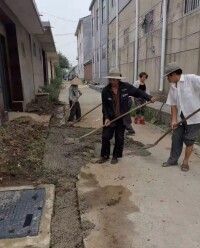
x,y
184,98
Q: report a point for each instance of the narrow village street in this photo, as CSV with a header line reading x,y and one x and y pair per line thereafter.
x,y
137,203
97,100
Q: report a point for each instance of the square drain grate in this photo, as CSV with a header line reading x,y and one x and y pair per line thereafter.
x,y
20,212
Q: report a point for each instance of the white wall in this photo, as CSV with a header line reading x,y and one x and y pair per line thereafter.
x,y
26,66
37,65
80,47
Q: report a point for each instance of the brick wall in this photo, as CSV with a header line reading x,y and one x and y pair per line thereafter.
x,y
88,71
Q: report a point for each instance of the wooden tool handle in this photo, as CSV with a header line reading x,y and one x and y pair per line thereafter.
x,y
87,113
119,117
180,122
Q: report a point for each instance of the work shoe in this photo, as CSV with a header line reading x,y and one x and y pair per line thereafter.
x,y
130,132
167,164
136,120
102,160
114,160
142,122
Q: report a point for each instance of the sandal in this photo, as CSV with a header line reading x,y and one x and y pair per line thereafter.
x,y
185,167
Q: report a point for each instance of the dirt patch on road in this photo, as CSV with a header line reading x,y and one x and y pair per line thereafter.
x,y
112,206
62,165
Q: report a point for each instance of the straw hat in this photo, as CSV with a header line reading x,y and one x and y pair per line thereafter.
x,y
171,67
76,81
114,74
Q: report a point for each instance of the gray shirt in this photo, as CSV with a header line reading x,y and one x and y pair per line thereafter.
x,y
74,93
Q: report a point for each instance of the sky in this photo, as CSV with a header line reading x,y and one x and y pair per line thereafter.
x,y
64,16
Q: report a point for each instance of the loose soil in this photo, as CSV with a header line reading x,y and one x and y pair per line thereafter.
x,y
41,105
21,150
33,154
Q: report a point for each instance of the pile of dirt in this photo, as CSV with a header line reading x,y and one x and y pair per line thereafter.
x,y
41,105
21,149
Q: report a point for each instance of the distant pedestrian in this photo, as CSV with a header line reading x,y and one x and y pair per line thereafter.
x,y
184,98
140,84
115,97
74,94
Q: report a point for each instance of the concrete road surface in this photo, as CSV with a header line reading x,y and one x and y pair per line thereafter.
x,y
137,203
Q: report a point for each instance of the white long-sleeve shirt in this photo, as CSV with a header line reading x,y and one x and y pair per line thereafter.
x,y
186,97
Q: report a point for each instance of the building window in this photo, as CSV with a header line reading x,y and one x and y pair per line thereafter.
x,y
97,19
190,5
113,44
23,50
113,3
92,26
97,55
103,11
126,36
148,22
104,51
34,49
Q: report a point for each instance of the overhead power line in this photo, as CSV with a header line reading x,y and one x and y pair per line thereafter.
x,y
58,17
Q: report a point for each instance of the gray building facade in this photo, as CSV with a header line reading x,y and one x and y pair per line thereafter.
x,y
99,23
84,44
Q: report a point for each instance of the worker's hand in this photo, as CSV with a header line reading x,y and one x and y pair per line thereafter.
x,y
107,122
174,124
153,99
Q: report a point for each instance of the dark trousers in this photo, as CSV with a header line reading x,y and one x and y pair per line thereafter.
x,y
127,119
182,135
107,135
138,102
75,111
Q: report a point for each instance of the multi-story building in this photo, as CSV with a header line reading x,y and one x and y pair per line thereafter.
x,y
27,54
122,37
167,31
84,48
99,15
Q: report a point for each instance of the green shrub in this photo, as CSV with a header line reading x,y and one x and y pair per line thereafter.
x,y
54,87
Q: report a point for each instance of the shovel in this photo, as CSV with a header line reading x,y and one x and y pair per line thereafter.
x,y
66,114
76,140
86,114
154,120
169,130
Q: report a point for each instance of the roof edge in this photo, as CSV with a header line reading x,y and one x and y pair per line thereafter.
x,y
91,5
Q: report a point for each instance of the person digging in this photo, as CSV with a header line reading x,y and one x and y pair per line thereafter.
x,y
74,94
184,98
115,97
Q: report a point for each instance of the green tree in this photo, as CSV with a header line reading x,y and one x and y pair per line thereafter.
x,y
63,61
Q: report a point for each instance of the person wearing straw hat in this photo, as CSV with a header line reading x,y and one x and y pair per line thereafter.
x,y
184,98
74,94
115,97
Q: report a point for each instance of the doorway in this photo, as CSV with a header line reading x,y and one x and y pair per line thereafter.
x,y
4,78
